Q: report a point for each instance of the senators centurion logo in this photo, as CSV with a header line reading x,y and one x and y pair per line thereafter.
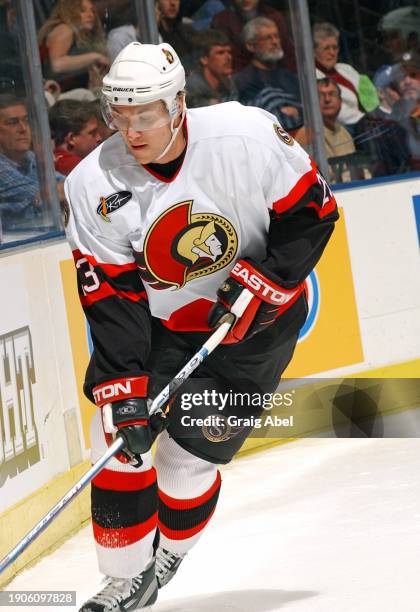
x,y
181,246
168,56
111,203
282,134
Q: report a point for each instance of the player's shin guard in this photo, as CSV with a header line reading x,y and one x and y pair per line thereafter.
x,y
124,517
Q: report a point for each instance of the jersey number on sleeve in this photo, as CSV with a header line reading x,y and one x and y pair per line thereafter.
x,y
92,280
327,195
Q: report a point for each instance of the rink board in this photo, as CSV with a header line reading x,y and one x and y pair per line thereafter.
x,y
364,319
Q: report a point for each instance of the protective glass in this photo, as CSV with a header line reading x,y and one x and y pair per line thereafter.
x,y
147,117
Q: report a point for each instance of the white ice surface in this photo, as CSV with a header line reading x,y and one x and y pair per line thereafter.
x,y
318,525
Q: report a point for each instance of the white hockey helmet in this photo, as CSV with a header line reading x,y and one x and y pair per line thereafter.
x,y
141,74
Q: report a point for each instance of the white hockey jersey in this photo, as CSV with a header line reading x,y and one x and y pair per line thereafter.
x,y
240,192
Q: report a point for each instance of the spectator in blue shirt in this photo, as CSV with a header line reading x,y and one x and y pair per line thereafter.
x,y
20,196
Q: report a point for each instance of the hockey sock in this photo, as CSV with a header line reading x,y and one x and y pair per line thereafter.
x,y
188,492
124,518
181,521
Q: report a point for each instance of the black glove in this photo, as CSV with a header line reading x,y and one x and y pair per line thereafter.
x,y
270,301
129,417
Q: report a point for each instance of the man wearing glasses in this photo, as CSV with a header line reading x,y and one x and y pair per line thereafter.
x,y
20,196
265,82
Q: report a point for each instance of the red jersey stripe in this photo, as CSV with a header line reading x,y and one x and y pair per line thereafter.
x,y
298,191
111,270
191,317
104,291
325,210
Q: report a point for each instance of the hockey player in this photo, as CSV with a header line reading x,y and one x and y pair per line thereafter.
x,y
169,220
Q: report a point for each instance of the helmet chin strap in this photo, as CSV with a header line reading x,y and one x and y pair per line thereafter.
x,y
174,132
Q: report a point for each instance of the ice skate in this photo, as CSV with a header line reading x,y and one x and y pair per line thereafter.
x,y
125,594
167,564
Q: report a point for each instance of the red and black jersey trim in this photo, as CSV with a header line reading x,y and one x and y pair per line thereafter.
x,y
301,224
97,280
310,190
124,507
115,304
180,519
295,244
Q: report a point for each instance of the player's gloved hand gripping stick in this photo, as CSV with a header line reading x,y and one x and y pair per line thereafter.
x,y
129,418
236,311
269,300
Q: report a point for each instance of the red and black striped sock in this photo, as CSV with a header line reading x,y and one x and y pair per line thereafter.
x,y
184,519
124,518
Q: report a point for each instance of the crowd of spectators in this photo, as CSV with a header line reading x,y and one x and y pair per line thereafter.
x,y
233,50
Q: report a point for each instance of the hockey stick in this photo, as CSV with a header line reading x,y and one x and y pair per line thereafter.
x,y
215,339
